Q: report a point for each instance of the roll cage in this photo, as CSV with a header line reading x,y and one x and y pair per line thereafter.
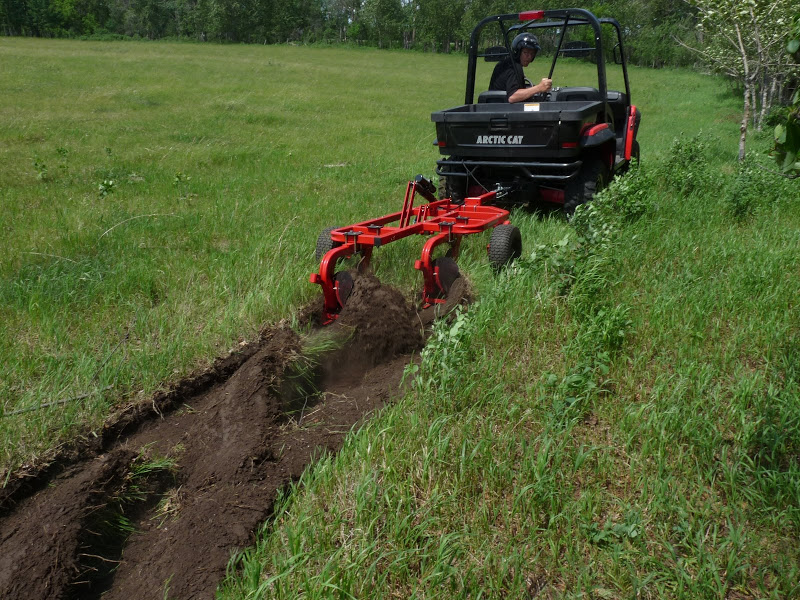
x,y
538,19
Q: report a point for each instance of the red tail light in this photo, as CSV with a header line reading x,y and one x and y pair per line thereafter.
x,y
531,15
590,130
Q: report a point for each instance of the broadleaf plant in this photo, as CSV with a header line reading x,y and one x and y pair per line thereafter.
x,y
787,134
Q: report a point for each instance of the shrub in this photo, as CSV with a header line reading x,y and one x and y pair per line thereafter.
x,y
686,168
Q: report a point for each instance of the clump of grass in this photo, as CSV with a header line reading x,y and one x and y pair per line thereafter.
x,y
687,167
109,524
300,383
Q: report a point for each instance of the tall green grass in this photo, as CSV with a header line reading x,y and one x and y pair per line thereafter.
x,y
161,204
161,201
619,417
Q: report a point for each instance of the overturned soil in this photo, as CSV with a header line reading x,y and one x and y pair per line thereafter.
x,y
157,502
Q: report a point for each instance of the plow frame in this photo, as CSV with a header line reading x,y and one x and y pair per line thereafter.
x,y
443,220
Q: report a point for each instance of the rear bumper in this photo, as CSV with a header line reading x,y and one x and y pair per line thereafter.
x,y
530,170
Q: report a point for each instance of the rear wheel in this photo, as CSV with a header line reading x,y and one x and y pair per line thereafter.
x,y
592,178
452,187
504,246
635,150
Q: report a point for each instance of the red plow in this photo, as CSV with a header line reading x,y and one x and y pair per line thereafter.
x,y
443,221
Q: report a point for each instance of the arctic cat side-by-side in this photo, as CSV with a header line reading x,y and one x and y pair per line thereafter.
x,y
559,147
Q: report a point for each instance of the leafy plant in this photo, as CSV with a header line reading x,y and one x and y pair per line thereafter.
x,y
745,192
559,259
446,353
614,533
687,169
40,168
63,153
787,134
629,197
106,187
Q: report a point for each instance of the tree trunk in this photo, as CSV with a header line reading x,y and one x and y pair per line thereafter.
x,y
767,95
748,94
763,100
745,120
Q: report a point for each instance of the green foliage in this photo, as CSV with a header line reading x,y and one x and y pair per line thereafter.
x,y
787,140
793,45
559,259
630,197
446,354
687,168
747,191
439,25
787,133
40,168
107,20
614,533
384,19
106,187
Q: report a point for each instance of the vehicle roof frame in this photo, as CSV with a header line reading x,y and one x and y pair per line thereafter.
x,y
547,19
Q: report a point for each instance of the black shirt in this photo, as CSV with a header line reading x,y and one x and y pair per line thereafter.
x,y
507,76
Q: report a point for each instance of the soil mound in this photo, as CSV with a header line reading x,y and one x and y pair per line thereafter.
x,y
177,484
383,323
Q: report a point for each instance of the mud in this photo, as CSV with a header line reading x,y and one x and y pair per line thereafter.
x,y
160,499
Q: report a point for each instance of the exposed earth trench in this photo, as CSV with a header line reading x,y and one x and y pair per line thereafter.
x,y
156,503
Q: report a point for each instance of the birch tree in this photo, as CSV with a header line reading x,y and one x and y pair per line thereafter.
x,y
746,41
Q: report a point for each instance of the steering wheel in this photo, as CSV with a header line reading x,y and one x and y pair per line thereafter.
x,y
545,96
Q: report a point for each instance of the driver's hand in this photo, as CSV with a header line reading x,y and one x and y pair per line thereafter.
x,y
546,84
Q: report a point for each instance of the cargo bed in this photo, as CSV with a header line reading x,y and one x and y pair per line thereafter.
x,y
529,130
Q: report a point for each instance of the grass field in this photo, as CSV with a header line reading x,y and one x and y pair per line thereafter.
x,y
617,417
161,202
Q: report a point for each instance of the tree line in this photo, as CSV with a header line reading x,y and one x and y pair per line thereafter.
x,y
653,26
745,40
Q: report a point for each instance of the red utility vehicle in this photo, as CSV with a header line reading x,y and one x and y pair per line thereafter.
x,y
561,146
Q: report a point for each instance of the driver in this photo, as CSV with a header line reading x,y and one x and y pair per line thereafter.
x,y
508,75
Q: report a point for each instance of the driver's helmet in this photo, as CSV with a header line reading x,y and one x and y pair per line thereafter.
x,y
524,40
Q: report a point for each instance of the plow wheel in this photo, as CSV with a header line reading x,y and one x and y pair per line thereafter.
x,y
504,246
325,243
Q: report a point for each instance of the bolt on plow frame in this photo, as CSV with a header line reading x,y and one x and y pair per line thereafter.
x,y
443,221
